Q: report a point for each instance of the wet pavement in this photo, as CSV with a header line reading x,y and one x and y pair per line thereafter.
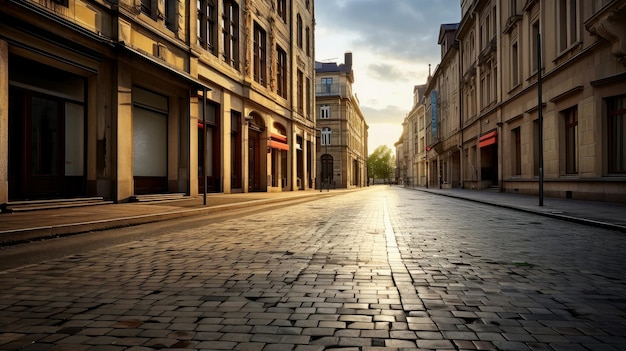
x,y
378,269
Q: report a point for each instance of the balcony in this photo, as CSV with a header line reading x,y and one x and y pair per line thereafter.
x,y
335,89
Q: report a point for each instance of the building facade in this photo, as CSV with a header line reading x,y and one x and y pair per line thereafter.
x,y
410,161
442,108
342,148
540,100
117,99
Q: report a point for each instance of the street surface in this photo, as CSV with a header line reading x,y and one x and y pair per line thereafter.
x,y
383,268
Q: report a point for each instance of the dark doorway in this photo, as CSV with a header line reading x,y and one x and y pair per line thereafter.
x,y
209,132
254,160
46,147
327,170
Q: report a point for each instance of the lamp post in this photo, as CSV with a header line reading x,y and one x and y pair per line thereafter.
x,y
540,116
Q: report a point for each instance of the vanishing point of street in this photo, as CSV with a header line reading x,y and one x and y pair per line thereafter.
x,y
384,268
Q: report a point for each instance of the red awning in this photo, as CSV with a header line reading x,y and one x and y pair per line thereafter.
x,y
488,139
278,145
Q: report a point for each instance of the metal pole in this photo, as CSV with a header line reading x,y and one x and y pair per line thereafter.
x,y
204,145
540,118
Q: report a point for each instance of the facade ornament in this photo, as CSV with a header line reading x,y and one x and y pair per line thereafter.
x,y
611,25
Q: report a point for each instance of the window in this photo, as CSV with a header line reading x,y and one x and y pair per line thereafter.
x,y
260,50
487,31
281,72
207,25
517,151
308,41
308,98
570,117
146,8
325,111
514,65
281,9
327,84
536,162
616,130
326,132
62,2
230,33
534,60
512,8
567,23
300,88
171,15
299,31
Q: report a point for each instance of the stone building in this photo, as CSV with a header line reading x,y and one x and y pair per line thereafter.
x,y
537,103
410,160
117,99
342,148
442,124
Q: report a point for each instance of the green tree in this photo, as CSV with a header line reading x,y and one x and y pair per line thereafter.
x,y
380,163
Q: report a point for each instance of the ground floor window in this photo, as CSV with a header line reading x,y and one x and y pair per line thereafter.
x,y
616,134
570,117
516,151
47,125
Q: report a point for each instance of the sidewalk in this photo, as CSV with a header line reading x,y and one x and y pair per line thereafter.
x,y
42,224
33,225
601,214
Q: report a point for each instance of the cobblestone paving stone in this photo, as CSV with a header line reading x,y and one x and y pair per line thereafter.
x,y
379,269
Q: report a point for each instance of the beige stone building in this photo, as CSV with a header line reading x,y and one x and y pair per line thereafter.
x,y
132,97
342,148
496,125
442,109
410,149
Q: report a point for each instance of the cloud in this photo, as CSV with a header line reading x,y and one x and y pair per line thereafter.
x,y
407,30
389,72
388,114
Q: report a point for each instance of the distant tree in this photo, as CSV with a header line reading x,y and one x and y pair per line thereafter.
x,y
380,163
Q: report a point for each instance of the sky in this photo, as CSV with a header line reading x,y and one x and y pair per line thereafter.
x,y
392,43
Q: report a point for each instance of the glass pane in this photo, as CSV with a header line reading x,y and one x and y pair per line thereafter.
x,y
44,136
74,140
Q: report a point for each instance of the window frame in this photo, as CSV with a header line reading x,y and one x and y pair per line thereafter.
x,y
281,72
300,91
207,25
230,33
568,24
570,142
325,111
260,55
299,29
325,136
616,141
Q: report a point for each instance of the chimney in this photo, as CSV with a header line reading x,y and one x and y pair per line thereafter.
x,y
348,61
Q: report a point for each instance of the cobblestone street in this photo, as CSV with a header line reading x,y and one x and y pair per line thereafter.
x,y
384,268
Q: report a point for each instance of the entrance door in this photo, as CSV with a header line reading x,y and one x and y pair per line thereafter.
x,y
149,151
36,146
45,167
254,160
